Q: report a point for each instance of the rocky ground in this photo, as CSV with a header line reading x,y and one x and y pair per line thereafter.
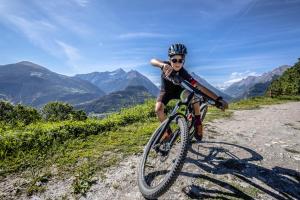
x,y
255,154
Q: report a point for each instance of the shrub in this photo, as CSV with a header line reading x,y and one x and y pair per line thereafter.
x,y
6,111
17,115
26,114
59,111
79,115
42,135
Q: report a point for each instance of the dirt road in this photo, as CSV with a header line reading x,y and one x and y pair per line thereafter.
x,y
253,155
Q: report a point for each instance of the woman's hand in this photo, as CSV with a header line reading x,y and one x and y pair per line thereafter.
x,y
167,69
223,105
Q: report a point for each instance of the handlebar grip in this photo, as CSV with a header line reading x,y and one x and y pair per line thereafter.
x,y
219,105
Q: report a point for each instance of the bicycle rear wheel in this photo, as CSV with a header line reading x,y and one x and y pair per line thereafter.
x,y
161,163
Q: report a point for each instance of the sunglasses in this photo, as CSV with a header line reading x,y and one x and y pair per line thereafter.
x,y
174,60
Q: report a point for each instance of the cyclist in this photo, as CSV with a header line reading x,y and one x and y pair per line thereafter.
x,y
170,91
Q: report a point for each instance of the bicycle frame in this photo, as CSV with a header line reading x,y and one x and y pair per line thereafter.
x,y
162,146
188,103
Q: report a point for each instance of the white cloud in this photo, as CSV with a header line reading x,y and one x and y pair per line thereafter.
x,y
241,75
41,34
235,77
69,51
61,13
37,31
82,3
142,35
40,31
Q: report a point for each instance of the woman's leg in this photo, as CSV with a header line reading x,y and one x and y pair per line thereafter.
x,y
159,110
198,122
197,108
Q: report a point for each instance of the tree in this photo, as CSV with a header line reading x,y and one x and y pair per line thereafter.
x,y
26,114
58,111
6,111
288,83
13,115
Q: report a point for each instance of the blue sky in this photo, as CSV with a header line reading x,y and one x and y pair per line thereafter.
x,y
226,39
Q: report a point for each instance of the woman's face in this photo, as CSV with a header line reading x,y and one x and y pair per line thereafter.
x,y
177,62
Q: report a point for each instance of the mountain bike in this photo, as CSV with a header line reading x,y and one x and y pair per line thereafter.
x,y
162,158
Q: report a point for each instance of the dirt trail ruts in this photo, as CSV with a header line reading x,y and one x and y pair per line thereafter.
x,y
255,154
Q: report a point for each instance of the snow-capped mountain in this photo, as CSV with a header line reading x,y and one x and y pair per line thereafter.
x,y
254,85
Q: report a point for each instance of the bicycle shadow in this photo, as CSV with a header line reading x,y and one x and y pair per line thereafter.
x,y
215,158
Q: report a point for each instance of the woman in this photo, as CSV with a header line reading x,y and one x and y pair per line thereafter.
x,y
168,91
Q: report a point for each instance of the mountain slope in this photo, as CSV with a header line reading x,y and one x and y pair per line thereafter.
x,y
288,83
118,80
34,85
116,100
254,85
210,87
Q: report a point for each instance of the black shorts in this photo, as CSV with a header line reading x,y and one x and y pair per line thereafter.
x,y
166,96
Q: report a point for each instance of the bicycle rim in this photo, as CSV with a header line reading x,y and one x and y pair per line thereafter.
x,y
159,168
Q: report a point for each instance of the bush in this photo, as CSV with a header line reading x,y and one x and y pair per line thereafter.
x,y
59,111
26,114
17,115
43,135
6,112
79,115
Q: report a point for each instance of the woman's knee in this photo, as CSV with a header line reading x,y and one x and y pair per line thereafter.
x,y
159,107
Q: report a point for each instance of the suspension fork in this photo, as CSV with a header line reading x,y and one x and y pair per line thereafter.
x,y
176,134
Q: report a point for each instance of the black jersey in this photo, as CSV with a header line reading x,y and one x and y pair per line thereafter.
x,y
168,86
169,90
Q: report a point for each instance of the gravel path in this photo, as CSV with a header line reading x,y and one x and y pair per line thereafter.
x,y
255,154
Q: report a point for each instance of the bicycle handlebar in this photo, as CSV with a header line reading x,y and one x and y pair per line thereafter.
x,y
177,80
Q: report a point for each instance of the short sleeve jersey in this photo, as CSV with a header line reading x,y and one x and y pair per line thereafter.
x,y
168,86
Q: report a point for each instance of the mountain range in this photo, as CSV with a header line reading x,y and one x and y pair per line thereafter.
x,y
254,85
34,85
118,80
137,89
114,101
31,84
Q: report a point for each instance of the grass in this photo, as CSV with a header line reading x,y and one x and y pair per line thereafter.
x,y
257,102
83,178
90,151
84,156
37,183
214,113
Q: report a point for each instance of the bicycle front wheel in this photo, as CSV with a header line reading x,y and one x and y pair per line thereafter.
x,y
203,111
162,162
